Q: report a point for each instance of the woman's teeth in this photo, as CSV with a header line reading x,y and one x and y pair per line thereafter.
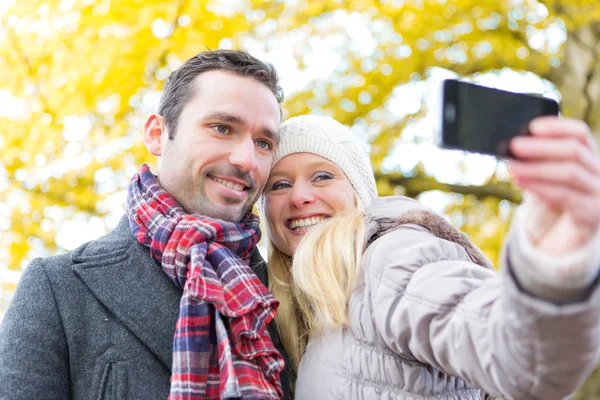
x,y
305,223
230,185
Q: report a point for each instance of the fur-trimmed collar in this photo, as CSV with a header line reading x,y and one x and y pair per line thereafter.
x,y
378,226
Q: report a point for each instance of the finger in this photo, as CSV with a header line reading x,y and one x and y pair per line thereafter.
x,y
554,127
582,208
560,174
555,149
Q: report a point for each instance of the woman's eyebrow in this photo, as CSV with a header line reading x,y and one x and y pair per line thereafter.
x,y
276,175
319,164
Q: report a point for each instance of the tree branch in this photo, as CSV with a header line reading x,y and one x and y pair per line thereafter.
x,y
416,185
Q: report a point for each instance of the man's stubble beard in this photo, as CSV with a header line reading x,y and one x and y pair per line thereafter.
x,y
222,211
205,207
197,201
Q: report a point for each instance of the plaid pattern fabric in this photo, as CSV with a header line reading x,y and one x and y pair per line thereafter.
x,y
221,348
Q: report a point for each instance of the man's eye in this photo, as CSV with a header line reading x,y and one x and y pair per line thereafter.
x,y
263,144
280,185
222,129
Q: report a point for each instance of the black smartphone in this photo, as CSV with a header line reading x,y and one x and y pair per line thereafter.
x,y
483,120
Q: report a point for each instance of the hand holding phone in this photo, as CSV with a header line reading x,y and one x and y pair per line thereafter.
x,y
558,167
483,120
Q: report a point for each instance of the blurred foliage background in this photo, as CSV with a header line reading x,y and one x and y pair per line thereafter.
x,y
79,77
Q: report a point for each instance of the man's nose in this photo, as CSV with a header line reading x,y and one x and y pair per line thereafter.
x,y
243,155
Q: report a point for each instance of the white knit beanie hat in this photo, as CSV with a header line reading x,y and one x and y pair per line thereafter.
x,y
329,139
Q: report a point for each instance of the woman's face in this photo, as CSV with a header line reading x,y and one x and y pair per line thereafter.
x,y
303,190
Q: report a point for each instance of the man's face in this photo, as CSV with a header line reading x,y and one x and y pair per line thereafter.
x,y
219,160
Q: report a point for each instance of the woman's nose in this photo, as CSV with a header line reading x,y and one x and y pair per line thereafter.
x,y
302,195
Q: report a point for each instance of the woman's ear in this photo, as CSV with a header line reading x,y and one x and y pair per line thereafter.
x,y
154,130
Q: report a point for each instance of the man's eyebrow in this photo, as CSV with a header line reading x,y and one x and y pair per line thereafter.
x,y
225,117
274,136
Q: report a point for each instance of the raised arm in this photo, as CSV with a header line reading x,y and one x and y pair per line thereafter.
x,y
433,305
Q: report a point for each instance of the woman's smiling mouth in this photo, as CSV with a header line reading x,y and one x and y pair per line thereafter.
x,y
303,224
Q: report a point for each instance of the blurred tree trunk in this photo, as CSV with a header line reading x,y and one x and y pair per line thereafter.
x,y
578,77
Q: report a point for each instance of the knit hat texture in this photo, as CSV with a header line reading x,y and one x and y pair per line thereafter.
x,y
329,139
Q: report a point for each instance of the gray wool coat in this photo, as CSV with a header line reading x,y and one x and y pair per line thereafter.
x,y
97,323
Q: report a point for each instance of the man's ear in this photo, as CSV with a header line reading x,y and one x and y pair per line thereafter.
x,y
154,128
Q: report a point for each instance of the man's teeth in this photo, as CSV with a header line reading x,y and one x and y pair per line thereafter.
x,y
305,222
230,185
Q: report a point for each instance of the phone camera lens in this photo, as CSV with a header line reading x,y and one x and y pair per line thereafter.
x,y
450,112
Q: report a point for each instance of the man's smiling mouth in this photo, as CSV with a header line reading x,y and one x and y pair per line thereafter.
x,y
231,185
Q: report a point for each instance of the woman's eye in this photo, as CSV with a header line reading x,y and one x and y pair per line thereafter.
x,y
280,185
263,144
323,176
222,129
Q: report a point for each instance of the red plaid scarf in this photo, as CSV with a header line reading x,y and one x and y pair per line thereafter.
x,y
221,348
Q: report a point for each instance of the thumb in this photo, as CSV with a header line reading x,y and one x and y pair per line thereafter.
x,y
538,217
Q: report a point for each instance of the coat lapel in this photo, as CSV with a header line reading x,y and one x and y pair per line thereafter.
x,y
120,273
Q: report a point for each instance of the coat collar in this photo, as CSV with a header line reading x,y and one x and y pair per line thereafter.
x,y
389,213
121,274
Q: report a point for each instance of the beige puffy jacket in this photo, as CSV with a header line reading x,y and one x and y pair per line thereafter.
x,y
429,322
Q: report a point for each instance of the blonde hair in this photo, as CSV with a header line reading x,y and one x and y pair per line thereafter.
x,y
325,271
314,289
293,331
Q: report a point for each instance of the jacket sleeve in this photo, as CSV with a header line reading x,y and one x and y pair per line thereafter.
x,y
432,305
33,349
